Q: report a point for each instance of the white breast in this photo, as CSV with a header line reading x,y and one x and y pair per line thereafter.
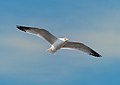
x,y
57,45
58,42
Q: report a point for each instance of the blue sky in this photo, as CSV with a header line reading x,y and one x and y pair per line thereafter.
x,y
24,59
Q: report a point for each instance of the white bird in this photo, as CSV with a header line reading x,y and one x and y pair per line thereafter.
x,y
58,43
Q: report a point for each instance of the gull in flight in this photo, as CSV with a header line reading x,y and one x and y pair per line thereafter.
x,y
58,43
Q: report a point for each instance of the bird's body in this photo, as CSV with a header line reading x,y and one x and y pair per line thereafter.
x,y
58,43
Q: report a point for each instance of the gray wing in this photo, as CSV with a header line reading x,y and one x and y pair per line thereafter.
x,y
82,47
39,32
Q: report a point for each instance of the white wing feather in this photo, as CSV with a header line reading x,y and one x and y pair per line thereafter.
x,y
82,47
39,32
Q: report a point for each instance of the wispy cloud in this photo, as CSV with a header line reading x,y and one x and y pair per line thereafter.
x,y
107,42
18,42
102,33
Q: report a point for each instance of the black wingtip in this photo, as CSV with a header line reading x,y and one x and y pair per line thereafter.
x,y
22,28
93,53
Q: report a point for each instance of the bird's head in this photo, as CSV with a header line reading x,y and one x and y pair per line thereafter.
x,y
63,39
66,39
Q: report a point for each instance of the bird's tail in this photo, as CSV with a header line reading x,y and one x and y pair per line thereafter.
x,y
52,51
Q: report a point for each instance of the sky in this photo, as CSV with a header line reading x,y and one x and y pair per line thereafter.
x,y
24,59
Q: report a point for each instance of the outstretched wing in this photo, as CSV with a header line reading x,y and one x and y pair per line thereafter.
x,y
82,47
39,32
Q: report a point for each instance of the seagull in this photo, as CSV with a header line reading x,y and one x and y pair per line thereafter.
x,y
58,43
